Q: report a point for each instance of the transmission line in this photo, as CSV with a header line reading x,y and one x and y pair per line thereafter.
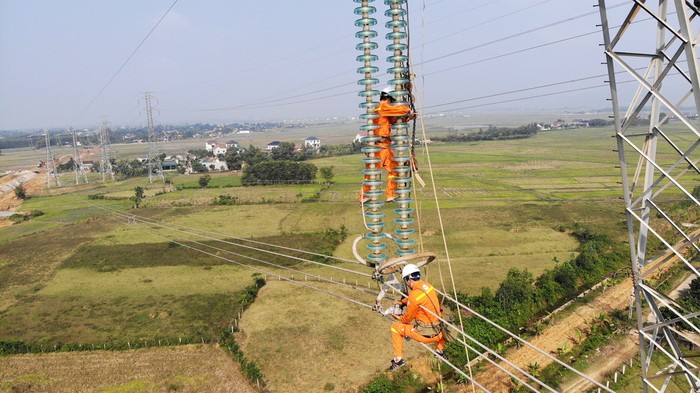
x,y
483,347
128,59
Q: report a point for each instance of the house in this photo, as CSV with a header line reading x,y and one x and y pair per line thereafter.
x,y
359,136
216,147
214,164
272,145
312,142
233,144
86,166
219,149
169,165
210,145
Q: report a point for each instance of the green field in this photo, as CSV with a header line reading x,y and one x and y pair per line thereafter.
x,y
81,273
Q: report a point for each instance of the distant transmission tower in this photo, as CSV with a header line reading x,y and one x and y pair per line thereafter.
x,y
51,170
78,162
655,46
105,151
154,163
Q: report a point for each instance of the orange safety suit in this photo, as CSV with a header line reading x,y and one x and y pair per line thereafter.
x,y
388,115
421,295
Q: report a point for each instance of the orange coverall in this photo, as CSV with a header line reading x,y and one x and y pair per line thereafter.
x,y
422,294
388,115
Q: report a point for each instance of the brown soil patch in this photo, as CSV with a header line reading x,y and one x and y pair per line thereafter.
x,y
32,183
191,368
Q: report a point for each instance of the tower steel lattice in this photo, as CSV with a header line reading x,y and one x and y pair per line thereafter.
x,y
155,166
78,162
51,169
657,133
105,151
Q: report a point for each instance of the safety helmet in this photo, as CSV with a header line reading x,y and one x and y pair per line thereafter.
x,y
410,271
386,93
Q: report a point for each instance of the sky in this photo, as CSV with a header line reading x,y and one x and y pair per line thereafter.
x,y
72,63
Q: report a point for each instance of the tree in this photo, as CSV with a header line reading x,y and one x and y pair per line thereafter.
x,y
20,192
199,167
138,196
204,180
201,153
273,172
68,166
253,156
233,158
327,173
284,152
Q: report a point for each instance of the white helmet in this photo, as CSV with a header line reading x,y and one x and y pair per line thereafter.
x,y
410,270
386,93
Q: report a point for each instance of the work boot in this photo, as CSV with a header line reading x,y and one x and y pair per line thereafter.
x,y
396,364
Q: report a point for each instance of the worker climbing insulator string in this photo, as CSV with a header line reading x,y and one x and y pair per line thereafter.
x,y
400,137
370,194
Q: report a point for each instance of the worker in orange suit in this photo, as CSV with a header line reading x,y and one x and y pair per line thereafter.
x,y
388,115
420,320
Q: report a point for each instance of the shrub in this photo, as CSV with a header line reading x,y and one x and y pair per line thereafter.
x,y
225,200
20,192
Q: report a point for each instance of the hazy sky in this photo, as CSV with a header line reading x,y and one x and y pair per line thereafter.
x,y
225,61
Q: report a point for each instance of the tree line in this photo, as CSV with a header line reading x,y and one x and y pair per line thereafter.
x,y
521,298
492,134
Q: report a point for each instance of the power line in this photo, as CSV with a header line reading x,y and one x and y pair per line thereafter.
x,y
128,59
343,297
282,101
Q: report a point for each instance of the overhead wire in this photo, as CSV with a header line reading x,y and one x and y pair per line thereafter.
x,y
536,96
119,70
267,103
125,217
192,231
523,341
275,100
485,22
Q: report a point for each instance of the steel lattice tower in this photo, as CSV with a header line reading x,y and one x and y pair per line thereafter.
x,y
154,164
78,162
51,170
654,44
105,151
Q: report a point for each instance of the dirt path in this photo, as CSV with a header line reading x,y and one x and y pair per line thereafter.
x,y
608,358
561,334
564,333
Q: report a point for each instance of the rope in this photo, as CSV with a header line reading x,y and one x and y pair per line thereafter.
x,y
442,227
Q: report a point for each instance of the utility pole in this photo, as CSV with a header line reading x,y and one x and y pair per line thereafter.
x,y
78,162
105,151
654,43
51,170
154,163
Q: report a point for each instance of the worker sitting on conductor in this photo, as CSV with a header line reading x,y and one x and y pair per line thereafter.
x,y
421,319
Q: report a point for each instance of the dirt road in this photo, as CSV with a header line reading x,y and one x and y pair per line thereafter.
x,y
562,333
